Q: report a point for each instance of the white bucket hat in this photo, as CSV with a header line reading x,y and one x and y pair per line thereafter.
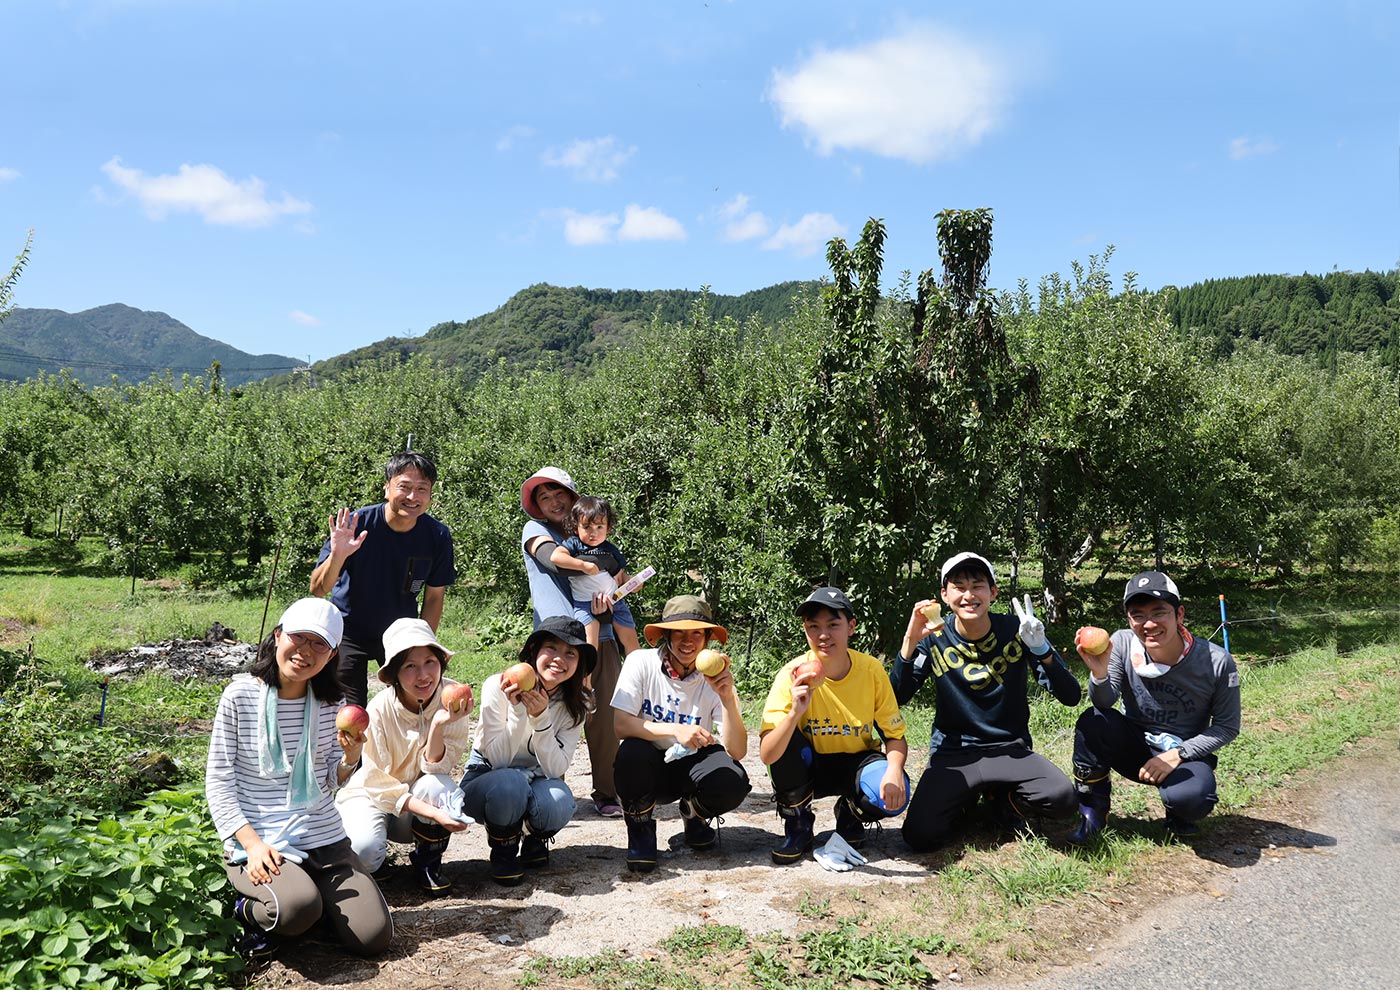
x,y
405,634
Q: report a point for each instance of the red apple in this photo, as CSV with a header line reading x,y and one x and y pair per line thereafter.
x,y
457,697
1093,640
809,672
352,720
711,663
522,675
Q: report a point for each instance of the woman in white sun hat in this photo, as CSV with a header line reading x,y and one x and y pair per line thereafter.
x,y
416,738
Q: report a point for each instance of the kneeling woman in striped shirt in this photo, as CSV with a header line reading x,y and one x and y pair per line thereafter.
x,y
276,760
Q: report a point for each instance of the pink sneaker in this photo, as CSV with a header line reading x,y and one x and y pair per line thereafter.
x,y
608,808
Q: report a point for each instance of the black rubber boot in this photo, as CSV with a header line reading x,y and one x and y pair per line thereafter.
x,y
429,843
534,850
641,840
1002,808
1180,827
699,833
1094,799
504,841
849,825
256,945
797,832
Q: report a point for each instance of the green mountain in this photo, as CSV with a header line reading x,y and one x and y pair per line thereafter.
x,y
1298,314
131,343
570,328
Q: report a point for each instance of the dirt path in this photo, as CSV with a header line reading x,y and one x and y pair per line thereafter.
x,y
586,902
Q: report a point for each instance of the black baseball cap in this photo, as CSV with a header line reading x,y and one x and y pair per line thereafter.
x,y
832,598
1151,584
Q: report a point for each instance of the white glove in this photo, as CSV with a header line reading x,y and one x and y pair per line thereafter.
x,y
678,751
837,855
1032,630
451,802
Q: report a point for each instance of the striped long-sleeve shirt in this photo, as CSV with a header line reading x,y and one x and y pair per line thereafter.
x,y
239,794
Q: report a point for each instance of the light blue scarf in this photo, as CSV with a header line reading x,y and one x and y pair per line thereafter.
x,y
305,789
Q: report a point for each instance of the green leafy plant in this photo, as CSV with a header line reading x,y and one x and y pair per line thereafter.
x,y
110,903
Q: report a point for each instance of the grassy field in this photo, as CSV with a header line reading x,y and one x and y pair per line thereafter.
x,y
1319,672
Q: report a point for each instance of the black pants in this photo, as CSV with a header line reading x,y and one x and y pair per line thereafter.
x,y
955,777
356,651
712,778
802,773
1105,738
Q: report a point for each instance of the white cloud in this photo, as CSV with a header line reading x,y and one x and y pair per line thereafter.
x,y
205,190
808,236
583,229
9,174
923,95
647,223
1246,147
747,228
740,222
594,160
736,207
304,319
518,132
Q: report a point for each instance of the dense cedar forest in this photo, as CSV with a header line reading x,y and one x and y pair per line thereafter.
x,y
1298,314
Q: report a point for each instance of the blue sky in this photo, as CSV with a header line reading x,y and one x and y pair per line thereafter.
x,y
304,178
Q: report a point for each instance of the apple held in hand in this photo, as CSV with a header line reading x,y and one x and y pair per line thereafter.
x,y
711,663
809,672
352,720
933,615
1093,640
521,675
457,697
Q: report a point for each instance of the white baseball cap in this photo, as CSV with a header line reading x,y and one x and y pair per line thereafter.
x,y
314,615
951,564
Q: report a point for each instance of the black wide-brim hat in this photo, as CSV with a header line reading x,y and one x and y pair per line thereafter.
x,y
566,629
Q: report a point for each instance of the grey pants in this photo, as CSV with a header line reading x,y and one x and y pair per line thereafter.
x,y
328,882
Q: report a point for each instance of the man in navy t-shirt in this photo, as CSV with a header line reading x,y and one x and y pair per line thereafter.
x,y
378,560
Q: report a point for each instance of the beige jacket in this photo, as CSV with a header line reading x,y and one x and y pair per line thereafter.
x,y
394,755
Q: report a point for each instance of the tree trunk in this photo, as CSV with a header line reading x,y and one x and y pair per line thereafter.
x,y
1085,549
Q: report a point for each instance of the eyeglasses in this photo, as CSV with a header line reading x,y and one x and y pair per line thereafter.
x,y
315,644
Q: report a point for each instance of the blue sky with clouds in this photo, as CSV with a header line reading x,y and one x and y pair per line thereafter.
x,y
304,178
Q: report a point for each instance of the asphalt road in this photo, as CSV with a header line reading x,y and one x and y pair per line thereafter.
x,y
1319,912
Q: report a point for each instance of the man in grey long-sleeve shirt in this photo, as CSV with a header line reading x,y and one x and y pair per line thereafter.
x,y
1181,703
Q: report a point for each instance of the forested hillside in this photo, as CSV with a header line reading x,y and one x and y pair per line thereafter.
x,y
1315,315
566,328
131,343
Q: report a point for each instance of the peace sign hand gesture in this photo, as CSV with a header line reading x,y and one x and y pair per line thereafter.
x,y
1032,631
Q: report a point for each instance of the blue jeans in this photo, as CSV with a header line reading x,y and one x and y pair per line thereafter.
x,y
506,796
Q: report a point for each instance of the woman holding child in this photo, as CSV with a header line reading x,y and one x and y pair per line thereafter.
x,y
548,497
